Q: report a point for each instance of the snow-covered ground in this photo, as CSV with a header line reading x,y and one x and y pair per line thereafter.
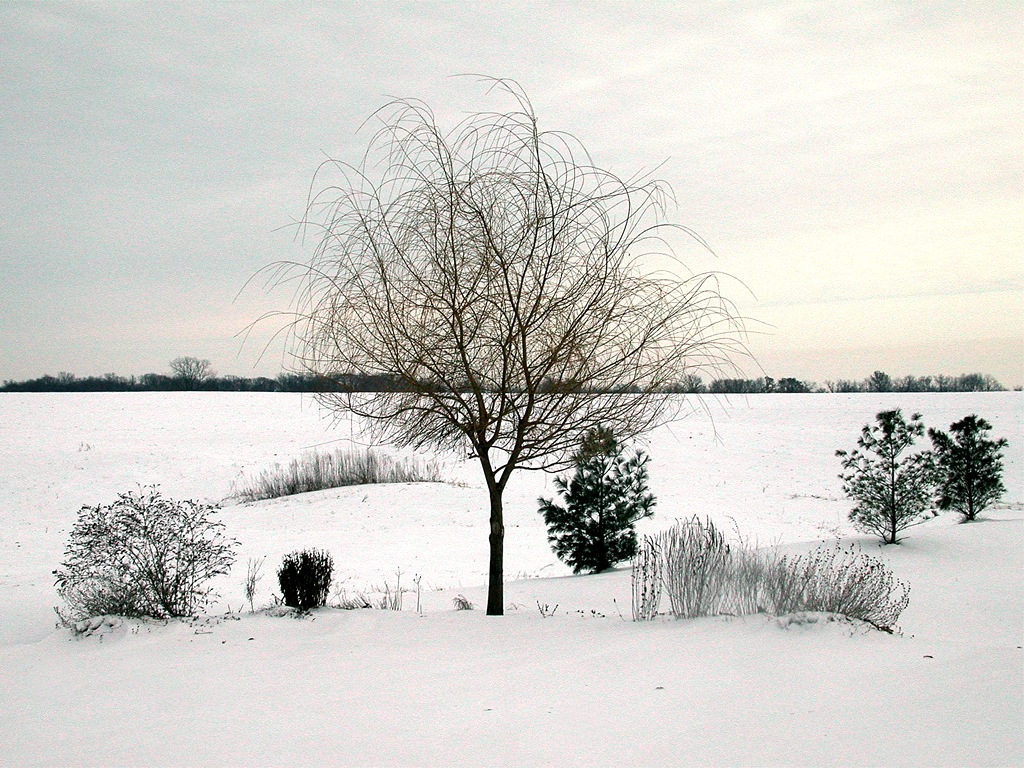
x,y
445,687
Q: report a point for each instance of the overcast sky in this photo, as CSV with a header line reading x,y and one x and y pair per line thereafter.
x,y
856,166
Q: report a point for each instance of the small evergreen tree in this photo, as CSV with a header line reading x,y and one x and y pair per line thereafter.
x,y
603,500
891,493
969,466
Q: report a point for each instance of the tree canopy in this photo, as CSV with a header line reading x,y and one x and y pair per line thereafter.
x,y
498,276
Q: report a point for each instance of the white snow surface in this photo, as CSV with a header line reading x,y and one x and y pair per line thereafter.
x,y
440,687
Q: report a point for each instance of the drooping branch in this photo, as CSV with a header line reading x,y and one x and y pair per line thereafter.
x,y
494,273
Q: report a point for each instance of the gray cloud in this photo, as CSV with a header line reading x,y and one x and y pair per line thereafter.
x,y
151,151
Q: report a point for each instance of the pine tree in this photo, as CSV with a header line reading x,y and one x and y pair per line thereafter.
x,y
606,496
969,466
891,493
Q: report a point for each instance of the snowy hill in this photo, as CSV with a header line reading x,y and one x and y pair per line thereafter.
x,y
583,686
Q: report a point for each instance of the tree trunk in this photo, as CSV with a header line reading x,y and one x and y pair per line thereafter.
x,y
495,581
893,523
970,492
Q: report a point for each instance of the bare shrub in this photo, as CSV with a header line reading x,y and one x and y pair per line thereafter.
x,y
252,577
143,555
316,471
842,581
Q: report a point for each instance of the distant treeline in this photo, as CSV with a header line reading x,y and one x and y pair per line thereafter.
x,y
881,382
157,382
876,382
294,382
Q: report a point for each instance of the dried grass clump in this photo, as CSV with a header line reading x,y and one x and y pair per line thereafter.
x,y
647,581
347,602
318,471
462,603
705,576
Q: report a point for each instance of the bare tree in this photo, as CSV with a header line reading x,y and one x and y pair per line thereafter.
x,y
192,371
494,275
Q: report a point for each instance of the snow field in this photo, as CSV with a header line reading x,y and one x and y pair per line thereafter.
x,y
580,687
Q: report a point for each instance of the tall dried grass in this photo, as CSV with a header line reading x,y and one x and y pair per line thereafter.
x,y
316,471
647,581
705,576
